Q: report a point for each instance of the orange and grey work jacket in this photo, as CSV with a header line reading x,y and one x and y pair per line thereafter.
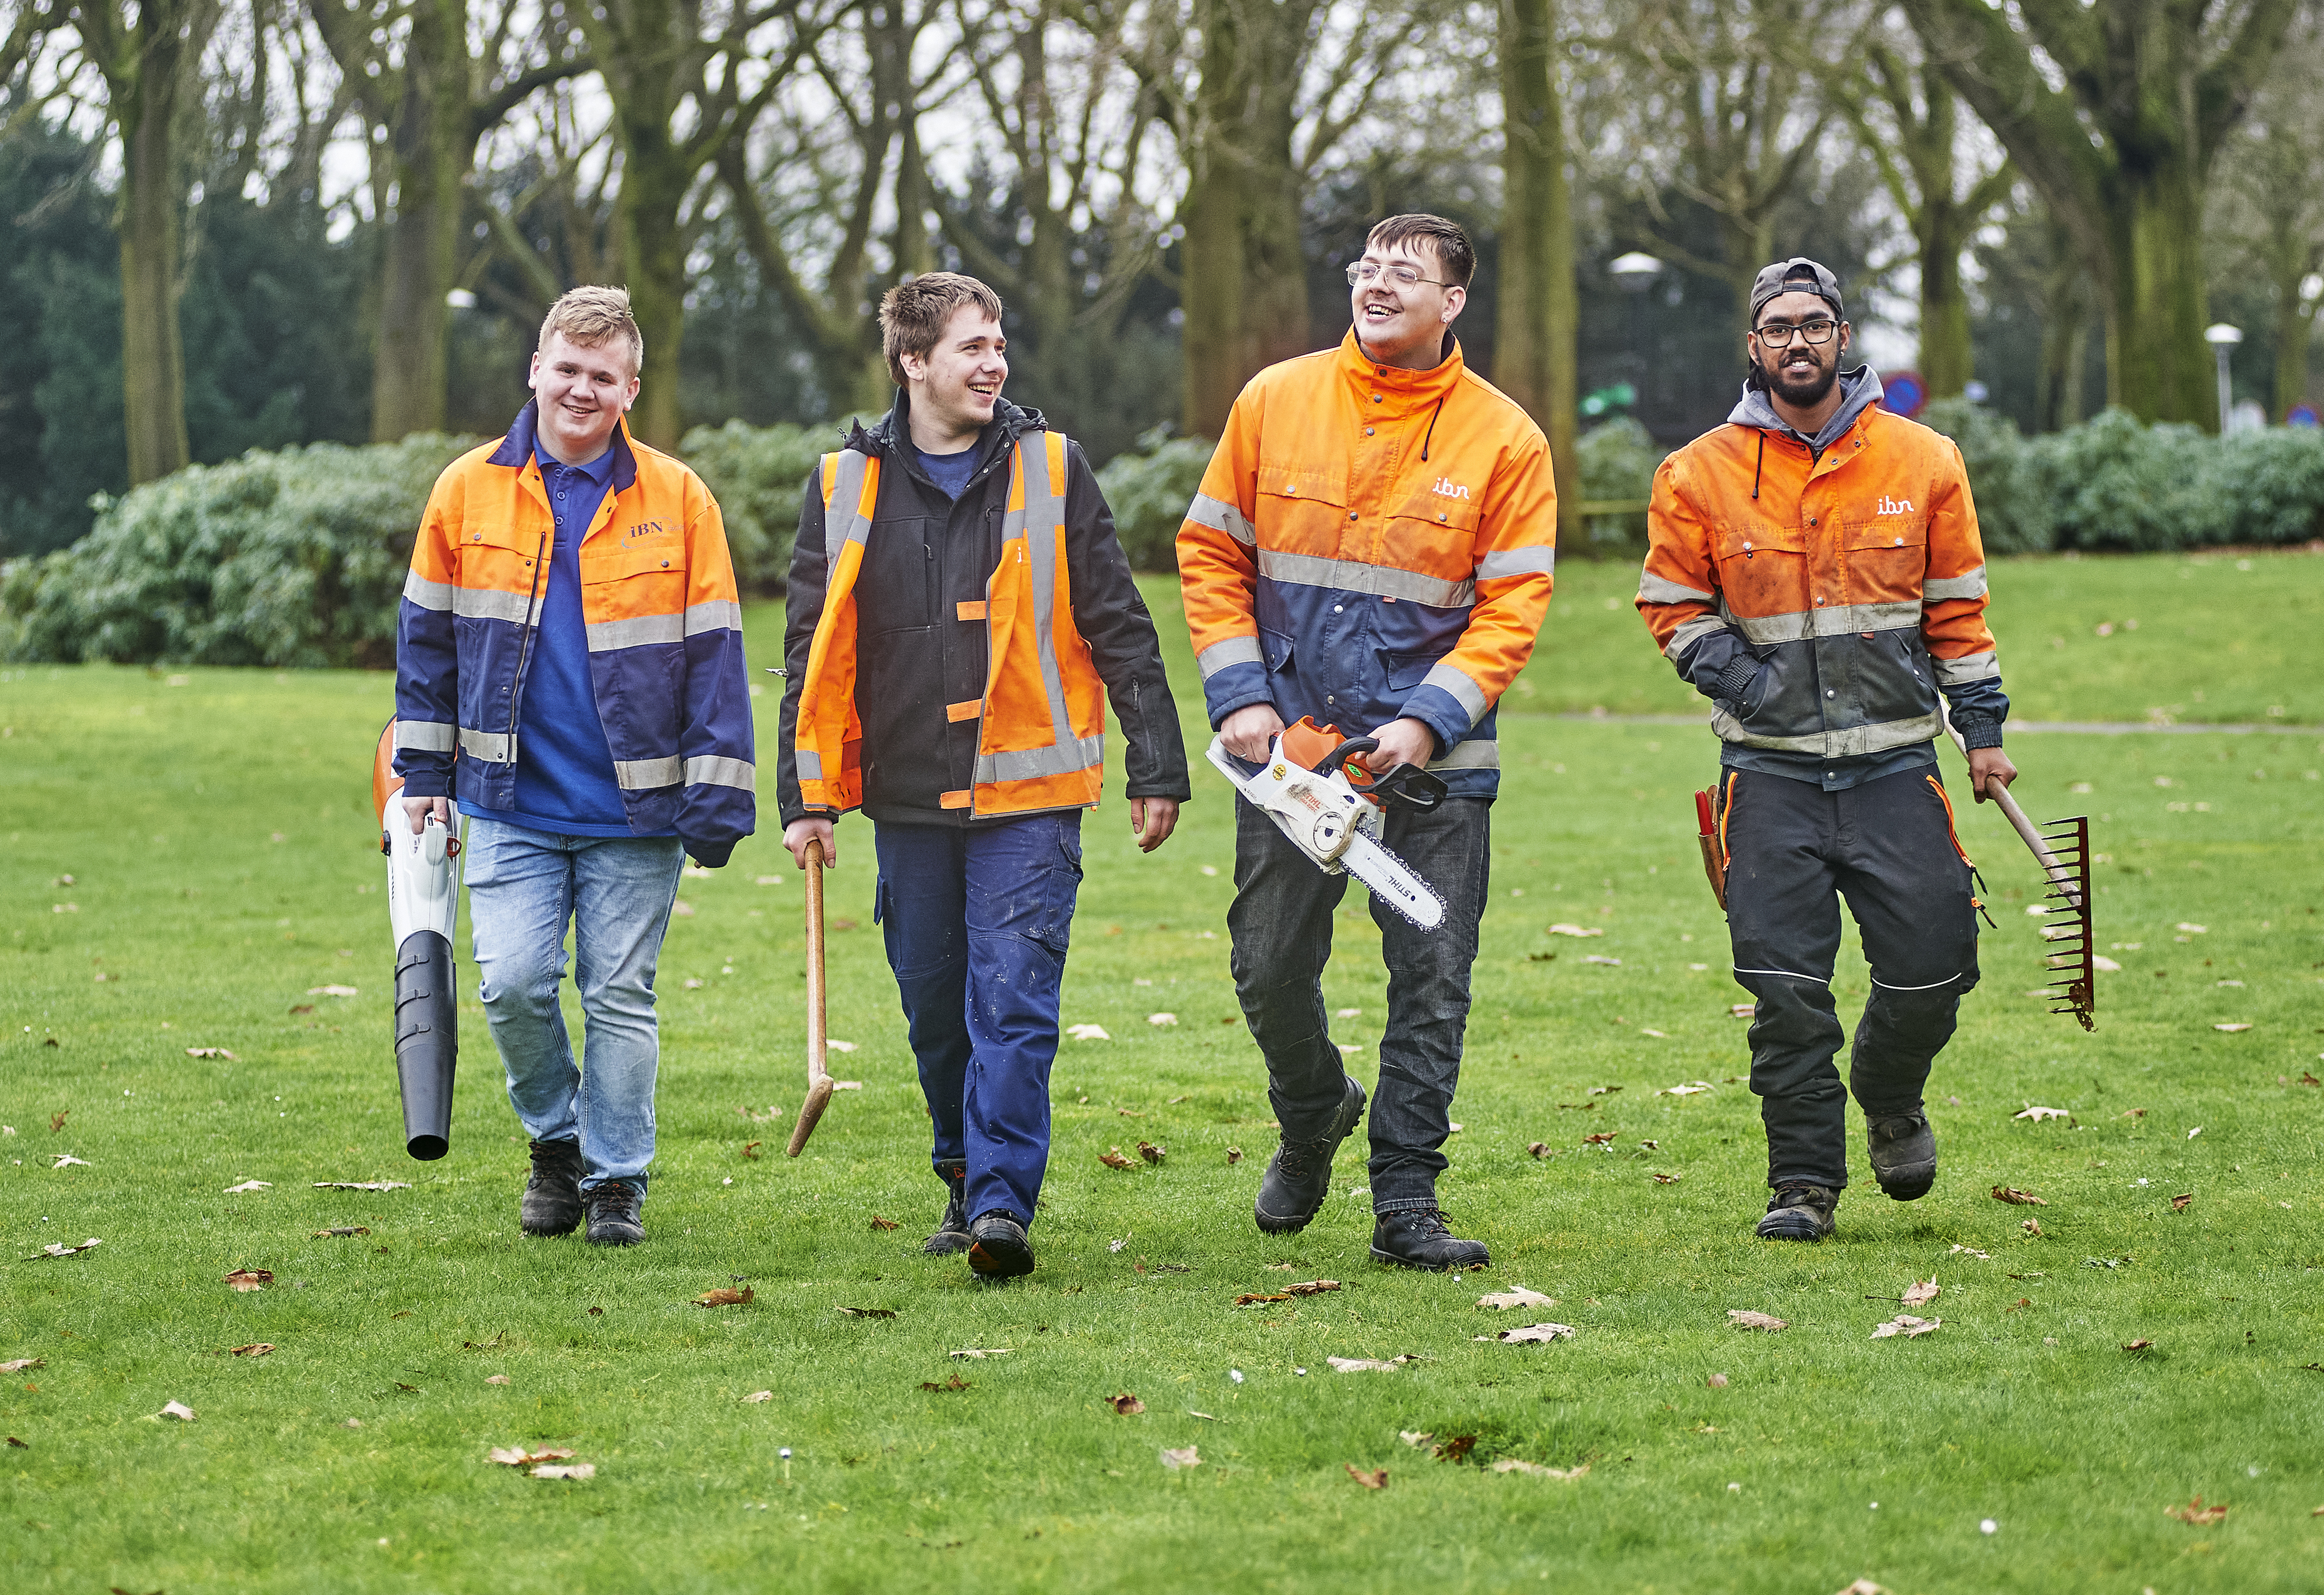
x,y
665,634
1373,543
1822,597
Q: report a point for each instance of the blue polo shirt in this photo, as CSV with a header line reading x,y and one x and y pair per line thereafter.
x,y
565,781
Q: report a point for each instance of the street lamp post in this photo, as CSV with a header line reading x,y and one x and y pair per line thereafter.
x,y
1634,274
2222,339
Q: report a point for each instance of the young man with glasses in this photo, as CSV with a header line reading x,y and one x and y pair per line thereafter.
x,y
1814,568
1372,548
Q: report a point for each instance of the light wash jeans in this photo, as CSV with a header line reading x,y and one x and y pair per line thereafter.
x,y
524,886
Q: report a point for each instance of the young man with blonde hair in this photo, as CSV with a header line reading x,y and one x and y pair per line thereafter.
x,y
960,613
570,631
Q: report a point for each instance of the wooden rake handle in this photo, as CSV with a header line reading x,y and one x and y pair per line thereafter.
x,y
2061,877
818,1068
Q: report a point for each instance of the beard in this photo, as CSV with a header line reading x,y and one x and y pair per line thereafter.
x,y
1803,388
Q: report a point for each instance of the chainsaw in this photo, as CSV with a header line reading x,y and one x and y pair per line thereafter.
x,y
1333,814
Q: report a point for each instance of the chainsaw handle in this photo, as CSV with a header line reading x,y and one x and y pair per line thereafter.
x,y
1346,750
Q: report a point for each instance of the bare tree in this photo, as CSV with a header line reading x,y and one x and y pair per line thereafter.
x,y
2267,208
1534,342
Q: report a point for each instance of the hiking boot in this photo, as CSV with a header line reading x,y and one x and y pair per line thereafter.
x,y
1904,1155
614,1214
1798,1212
998,1247
952,1229
1298,1177
1418,1239
552,1196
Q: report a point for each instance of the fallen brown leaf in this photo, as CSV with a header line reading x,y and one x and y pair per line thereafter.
x,y
1517,1298
1864,1587
2012,1195
1367,1364
211,1052
498,1378
255,1349
180,1411
1377,1478
1519,1465
1234,1155
1716,1381
352,1230
1908,1327
1308,1287
879,1223
1127,1405
2179,1203
750,1150
1532,1334
363,1185
1113,1158
57,1120
21,1363
248,1186
954,1383
517,1456
1921,1292
565,1471
1415,1436
23,1445
1599,1140
1742,1318
1538,1148
978,1353
2032,1226
756,1397
1666,1179
2138,1345
251,1278
2194,1511
58,1248
1455,1449
1187,1457
1152,1153
724,1296
1253,1298
869,1312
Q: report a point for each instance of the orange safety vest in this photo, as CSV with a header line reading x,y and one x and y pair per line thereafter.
x,y
1041,734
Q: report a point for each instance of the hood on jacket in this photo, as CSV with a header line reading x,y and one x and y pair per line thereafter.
x,y
1010,421
1860,390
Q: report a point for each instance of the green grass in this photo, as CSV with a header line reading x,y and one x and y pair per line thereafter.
x,y
216,834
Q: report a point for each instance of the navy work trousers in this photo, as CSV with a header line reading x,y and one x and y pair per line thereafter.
x,y
976,920
1281,922
1794,850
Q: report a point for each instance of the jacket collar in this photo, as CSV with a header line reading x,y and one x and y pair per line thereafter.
x,y
516,449
892,434
1408,390
1859,391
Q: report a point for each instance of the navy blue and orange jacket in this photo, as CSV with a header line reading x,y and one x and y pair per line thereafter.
x,y
1822,599
665,631
1373,543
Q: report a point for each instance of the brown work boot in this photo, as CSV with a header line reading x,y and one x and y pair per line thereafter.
x,y
1904,1155
1798,1212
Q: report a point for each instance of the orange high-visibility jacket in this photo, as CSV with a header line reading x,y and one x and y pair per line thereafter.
x,y
1372,542
1041,732
1822,604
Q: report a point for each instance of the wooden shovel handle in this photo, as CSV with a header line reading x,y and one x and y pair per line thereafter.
x,y
818,1069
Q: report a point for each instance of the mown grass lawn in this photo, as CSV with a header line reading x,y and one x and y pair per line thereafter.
x,y
216,831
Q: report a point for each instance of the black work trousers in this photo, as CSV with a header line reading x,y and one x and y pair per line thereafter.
x,y
1794,850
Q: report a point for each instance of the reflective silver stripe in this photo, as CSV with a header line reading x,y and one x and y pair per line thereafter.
x,y
1974,666
1937,589
425,736
1234,651
1655,589
1836,621
1077,754
1463,688
1846,744
844,521
810,764
635,775
493,605
1931,986
1687,635
713,770
635,632
491,747
1501,562
1221,516
428,595
1476,753
1348,576
1787,975
719,614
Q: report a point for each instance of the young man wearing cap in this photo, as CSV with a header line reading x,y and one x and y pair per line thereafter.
x,y
960,615
1814,568
1371,548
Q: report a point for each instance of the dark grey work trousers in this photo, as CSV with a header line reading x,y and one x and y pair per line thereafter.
x,y
1281,922
1794,850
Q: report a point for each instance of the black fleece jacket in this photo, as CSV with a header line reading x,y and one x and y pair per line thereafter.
x,y
927,554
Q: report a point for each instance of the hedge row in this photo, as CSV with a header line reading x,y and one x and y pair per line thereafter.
x,y
296,558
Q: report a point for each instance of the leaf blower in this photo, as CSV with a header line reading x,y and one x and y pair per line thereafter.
x,y
423,903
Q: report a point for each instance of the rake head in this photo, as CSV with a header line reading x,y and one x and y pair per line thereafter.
x,y
2070,956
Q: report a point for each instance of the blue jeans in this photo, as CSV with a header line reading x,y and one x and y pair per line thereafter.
x,y
1281,923
976,920
523,886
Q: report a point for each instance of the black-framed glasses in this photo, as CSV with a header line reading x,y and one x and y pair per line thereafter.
x,y
1778,333
1398,274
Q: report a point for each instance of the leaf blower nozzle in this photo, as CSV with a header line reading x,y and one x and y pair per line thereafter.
x,y
422,905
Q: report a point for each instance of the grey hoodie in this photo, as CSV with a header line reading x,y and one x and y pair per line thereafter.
x,y
1860,390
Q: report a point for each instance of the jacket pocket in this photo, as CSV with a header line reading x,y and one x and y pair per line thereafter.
x,y
1763,573
1887,559
1406,670
1274,649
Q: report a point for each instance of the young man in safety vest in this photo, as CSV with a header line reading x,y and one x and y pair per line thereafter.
x,y
570,625
959,614
1372,548
1814,569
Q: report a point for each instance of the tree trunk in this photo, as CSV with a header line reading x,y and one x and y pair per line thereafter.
x,y
432,149
1946,360
144,69
1245,281
2158,366
1534,343
2294,326
654,181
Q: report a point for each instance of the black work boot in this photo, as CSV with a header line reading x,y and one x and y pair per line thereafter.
x,y
552,1196
614,1214
1418,1239
1904,1155
997,1246
1299,1175
1798,1212
952,1229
